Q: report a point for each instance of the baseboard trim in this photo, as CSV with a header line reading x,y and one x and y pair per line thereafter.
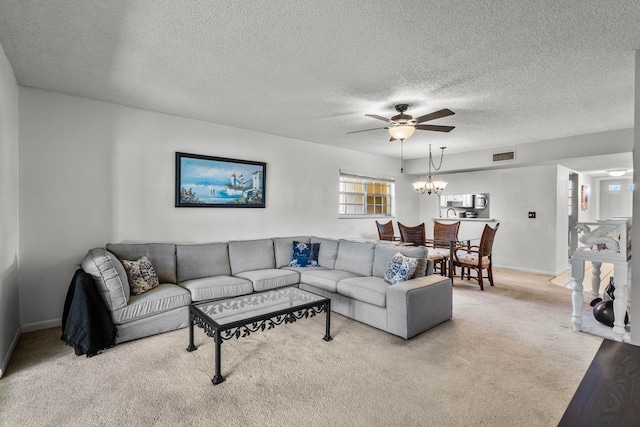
x,y
7,357
36,326
525,270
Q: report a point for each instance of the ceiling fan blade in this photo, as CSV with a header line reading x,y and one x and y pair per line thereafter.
x,y
375,116
436,128
366,130
435,115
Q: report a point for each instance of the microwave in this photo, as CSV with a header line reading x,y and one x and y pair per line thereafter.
x,y
480,201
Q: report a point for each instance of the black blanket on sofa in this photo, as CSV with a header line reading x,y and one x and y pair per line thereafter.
x,y
86,323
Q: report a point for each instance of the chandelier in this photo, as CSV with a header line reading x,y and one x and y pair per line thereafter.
x,y
429,185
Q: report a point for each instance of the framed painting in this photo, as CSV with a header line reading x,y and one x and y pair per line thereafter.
x,y
584,197
217,182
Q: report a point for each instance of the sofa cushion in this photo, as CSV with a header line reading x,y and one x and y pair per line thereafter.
x,y
141,275
305,254
216,287
282,248
356,257
247,255
164,297
162,256
206,260
372,290
270,278
109,276
328,251
325,279
302,269
400,269
384,253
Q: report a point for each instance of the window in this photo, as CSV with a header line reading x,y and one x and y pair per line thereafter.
x,y
614,187
365,195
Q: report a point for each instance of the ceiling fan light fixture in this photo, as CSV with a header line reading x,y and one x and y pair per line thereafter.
x,y
401,131
617,172
402,126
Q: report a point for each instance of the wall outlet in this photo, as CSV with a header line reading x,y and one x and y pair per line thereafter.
x,y
532,214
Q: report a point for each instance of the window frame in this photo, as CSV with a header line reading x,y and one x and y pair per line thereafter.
x,y
368,200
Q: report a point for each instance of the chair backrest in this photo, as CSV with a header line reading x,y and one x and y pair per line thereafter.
x,y
444,233
486,242
415,235
385,231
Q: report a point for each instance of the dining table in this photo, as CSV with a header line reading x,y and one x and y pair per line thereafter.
x,y
454,244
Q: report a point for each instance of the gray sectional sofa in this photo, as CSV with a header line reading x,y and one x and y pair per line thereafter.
x,y
349,272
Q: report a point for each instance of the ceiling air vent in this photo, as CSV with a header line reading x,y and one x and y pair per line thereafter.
x,y
500,157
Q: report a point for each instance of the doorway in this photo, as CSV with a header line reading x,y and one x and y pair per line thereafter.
x,y
616,197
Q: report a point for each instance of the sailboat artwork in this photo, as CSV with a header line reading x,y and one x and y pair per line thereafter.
x,y
205,181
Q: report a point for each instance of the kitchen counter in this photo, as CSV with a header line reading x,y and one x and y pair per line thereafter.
x,y
466,219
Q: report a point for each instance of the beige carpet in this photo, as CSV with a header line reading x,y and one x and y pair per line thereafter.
x,y
507,358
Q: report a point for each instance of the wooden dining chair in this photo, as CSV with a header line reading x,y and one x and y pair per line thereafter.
x,y
416,235
412,234
478,257
385,231
442,235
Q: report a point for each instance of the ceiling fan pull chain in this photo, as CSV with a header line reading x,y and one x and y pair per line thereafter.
x,y
402,156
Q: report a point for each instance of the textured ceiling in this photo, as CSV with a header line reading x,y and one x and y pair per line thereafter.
x,y
514,71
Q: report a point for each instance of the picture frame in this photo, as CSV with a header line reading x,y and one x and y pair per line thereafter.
x,y
584,197
218,182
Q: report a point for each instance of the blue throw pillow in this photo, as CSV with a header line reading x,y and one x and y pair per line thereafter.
x,y
305,254
400,269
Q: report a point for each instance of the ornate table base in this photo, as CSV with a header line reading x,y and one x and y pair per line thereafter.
x,y
240,316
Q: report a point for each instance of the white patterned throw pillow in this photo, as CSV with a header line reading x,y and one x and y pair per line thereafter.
x,y
142,277
400,269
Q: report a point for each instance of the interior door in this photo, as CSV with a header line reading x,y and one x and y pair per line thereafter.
x,y
616,198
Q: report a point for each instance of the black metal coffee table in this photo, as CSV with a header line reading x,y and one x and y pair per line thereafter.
x,y
240,316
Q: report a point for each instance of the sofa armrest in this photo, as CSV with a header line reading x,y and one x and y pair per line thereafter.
x,y
109,276
415,305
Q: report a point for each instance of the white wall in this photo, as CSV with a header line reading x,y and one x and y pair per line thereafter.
x,y
521,243
93,172
562,220
9,285
635,233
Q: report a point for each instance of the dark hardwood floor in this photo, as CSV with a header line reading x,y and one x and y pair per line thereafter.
x,y
609,394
